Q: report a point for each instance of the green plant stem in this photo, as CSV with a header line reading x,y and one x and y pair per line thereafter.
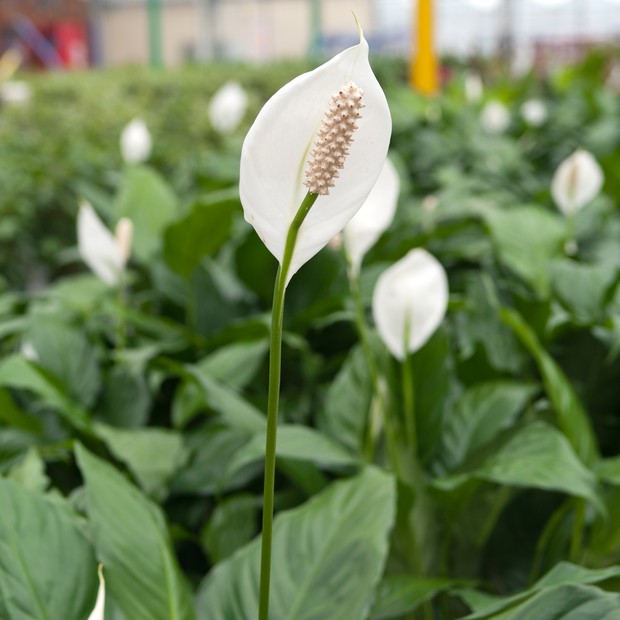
x,y
409,405
576,541
275,366
120,314
362,331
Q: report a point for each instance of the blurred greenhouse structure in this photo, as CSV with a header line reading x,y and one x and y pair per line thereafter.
x,y
113,32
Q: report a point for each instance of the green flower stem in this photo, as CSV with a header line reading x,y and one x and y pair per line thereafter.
x,y
579,520
275,366
121,294
362,332
409,405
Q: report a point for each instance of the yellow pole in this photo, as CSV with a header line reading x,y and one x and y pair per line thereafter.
x,y
424,63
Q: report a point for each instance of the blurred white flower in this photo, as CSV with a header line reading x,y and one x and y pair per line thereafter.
x,y
15,93
430,203
282,155
374,217
473,86
136,142
534,112
410,297
98,613
577,180
495,117
105,253
28,351
227,107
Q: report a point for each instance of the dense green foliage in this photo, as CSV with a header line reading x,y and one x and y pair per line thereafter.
x,y
132,424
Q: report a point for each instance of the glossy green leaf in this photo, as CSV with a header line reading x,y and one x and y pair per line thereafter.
x,y
152,455
401,594
29,472
526,239
328,556
133,542
294,442
538,456
201,232
572,418
48,570
480,414
147,200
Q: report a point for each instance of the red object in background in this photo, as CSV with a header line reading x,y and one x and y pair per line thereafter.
x,y
70,41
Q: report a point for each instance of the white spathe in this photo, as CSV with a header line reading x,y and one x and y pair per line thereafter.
x,y
411,295
99,248
495,117
577,180
473,86
374,217
228,107
14,92
534,112
98,613
277,147
136,142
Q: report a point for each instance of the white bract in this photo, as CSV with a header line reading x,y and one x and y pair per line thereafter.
x,y
227,107
410,299
276,151
106,254
534,112
577,180
473,87
495,117
15,93
98,613
374,217
136,142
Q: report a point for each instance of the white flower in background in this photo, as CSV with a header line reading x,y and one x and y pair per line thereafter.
x,y
473,86
28,351
136,142
495,117
228,107
299,130
98,612
106,254
15,93
374,217
410,297
577,181
534,112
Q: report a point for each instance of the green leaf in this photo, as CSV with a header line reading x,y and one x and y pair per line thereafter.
x,y
17,372
30,472
201,232
481,413
608,470
398,595
564,602
344,414
236,364
232,525
538,456
13,416
133,544
294,442
147,200
65,352
328,556
572,418
47,568
152,455
126,397
583,289
526,239
562,574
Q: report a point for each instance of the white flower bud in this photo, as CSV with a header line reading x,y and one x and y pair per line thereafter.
x,y
136,142
576,182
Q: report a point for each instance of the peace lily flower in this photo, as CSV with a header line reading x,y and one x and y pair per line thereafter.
x,y
534,112
308,164
227,107
577,180
409,302
374,217
136,142
14,92
325,133
106,254
495,117
98,613
473,86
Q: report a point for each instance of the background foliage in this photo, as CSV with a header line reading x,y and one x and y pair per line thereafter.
x,y
132,426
